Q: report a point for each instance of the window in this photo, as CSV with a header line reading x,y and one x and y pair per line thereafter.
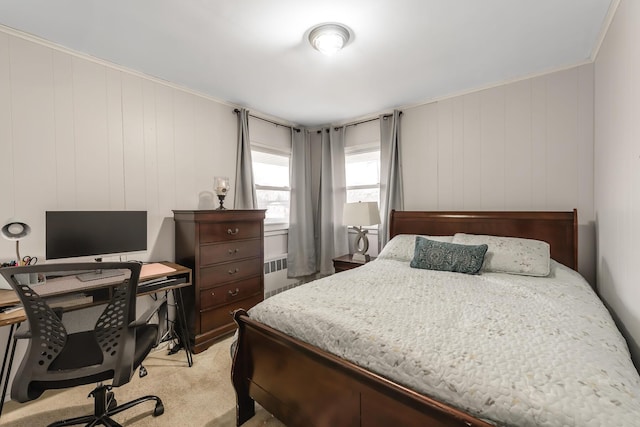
x,y
362,177
271,178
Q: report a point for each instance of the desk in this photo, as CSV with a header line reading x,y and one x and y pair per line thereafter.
x,y
100,291
170,270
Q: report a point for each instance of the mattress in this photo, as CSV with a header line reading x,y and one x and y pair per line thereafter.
x,y
513,350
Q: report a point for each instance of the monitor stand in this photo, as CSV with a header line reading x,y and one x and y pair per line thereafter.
x,y
98,273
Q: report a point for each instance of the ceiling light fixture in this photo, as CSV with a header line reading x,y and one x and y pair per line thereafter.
x,y
329,38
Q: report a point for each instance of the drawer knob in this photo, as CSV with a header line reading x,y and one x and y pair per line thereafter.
x,y
233,251
213,294
233,271
232,293
232,232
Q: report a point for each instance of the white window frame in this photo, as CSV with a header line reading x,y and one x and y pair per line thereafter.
x,y
362,149
270,224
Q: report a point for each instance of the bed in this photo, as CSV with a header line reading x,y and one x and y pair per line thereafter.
x,y
360,370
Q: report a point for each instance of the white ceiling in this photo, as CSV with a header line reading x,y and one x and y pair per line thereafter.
x,y
255,53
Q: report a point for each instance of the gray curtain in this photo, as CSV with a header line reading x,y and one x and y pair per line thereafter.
x,y
301,258
391,190
245,194
332,234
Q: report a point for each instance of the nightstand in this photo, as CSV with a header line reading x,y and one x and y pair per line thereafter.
x,y
346,262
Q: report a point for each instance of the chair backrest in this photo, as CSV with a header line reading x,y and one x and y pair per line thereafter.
x,y
58,359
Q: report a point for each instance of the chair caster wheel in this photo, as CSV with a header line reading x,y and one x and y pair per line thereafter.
x,y
158,410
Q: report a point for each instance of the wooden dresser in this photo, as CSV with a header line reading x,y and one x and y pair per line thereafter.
x,y
225,250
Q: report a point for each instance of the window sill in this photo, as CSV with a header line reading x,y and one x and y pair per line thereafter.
x,y
275,229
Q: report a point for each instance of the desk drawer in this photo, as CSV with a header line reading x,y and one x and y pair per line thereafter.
x,y
225,294
223,252
227,231
231,271
218,317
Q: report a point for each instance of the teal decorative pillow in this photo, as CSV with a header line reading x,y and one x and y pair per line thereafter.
x,y
442,256
402,246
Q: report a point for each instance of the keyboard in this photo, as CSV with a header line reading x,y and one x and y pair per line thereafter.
x,y
157,284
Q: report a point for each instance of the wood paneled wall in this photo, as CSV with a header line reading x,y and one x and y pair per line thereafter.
x,y
526,145
79,134
617,170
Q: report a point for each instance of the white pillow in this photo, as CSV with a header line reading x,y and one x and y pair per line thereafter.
x,y
512,255
402,246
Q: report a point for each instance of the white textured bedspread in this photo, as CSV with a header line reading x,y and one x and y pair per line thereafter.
x,y
514,350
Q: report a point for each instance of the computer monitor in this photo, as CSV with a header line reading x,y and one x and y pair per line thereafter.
x,y
72,234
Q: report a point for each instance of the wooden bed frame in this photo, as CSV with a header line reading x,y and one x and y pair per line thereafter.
x,y
304,386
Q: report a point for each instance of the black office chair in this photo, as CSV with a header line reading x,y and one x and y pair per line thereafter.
x,y
111,349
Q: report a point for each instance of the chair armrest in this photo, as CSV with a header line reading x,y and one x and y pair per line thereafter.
x,y
148,314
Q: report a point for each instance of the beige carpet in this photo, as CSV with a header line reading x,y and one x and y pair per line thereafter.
x,y
198,396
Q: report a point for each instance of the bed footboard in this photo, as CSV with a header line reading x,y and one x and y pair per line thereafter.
x,y
304,386
241,374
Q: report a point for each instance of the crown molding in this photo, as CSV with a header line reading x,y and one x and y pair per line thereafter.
x,y
48,44
608,19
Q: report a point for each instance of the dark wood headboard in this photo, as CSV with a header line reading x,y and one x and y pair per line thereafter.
x,y
559,229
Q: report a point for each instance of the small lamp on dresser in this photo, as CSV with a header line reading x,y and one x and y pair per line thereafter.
x,y
358,215
221,186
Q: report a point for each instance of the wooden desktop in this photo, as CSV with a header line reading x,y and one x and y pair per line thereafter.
x,y
99,289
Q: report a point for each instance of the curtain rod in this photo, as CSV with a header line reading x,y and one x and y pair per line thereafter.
x,y
384,116
360,122
236,111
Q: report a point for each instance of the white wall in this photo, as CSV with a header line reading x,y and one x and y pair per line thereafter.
x,y
79,134
617,170
526,145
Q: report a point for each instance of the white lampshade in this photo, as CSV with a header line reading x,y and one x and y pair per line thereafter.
x,y
361,214
221,185
15,230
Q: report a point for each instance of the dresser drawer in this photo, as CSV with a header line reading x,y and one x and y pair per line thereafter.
x,y
223,252
225,294
227,231
231,271
218,317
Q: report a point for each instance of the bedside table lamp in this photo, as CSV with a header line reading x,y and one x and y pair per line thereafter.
x,y
359,215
